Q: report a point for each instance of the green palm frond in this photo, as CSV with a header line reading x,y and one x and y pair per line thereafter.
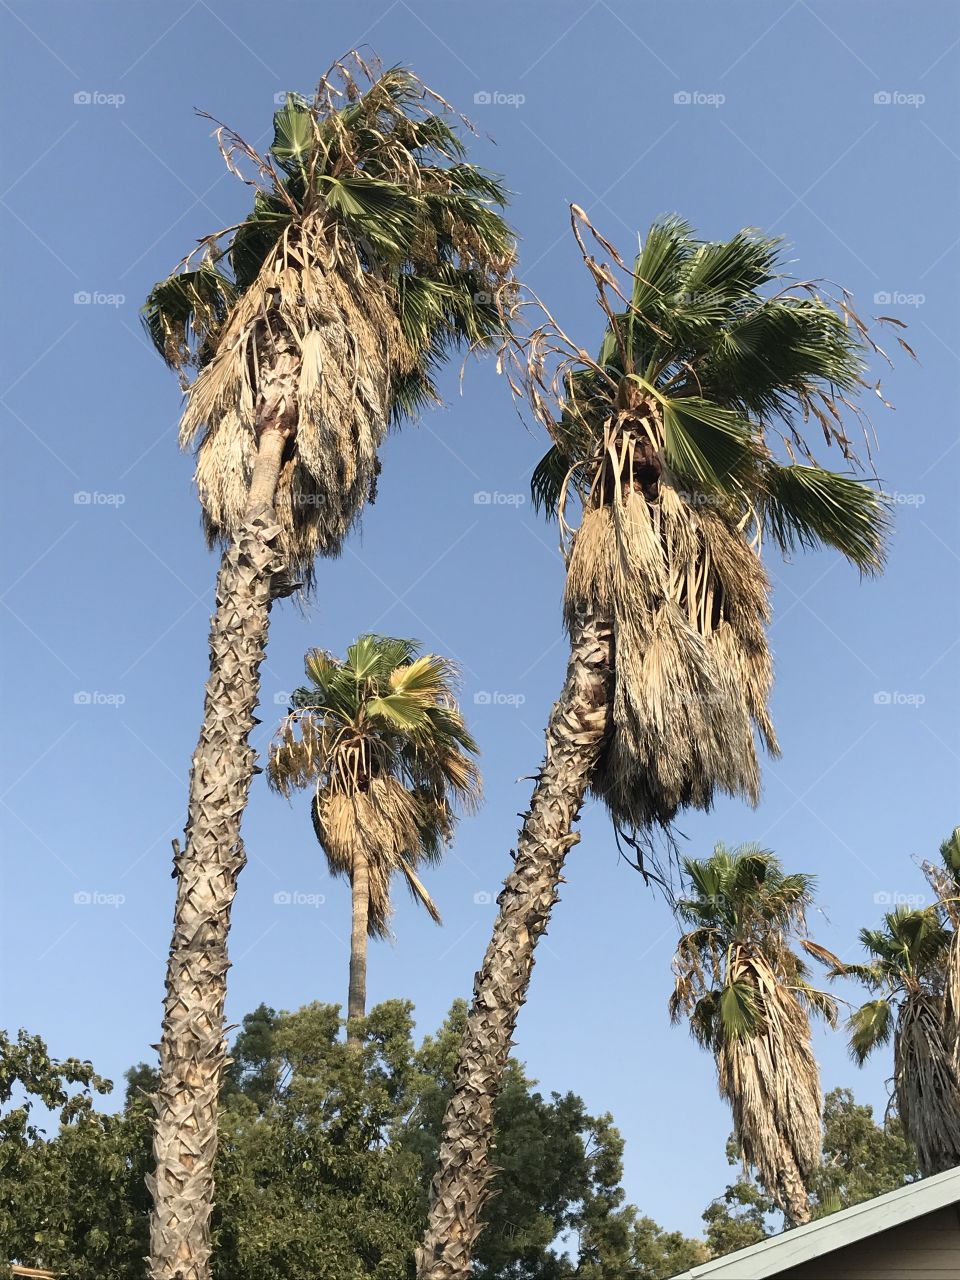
x,y
807,506
708,444
184,313
869,1027
380,740
739,1011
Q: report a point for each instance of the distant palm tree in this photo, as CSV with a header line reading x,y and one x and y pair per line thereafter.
x,y
382,743
667,440
909,957
371,253
944,879
747,996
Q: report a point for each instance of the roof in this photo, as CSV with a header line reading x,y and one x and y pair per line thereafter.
x,y
802,1244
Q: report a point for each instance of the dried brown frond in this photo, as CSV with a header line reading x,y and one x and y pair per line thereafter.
x,y
382,821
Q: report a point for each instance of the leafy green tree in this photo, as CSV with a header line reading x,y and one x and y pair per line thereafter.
x,y
860,1159
324,1165
656,1254
382,744
671,442
372,252
738,1218
79,1194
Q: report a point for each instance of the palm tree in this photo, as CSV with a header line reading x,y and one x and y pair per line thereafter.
x,y
667,441
382,743
747,996
906,971
371,253
945,882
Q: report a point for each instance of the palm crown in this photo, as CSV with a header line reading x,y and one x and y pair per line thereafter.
x,y
372,251
908,958
382,741
907,972
747,995
710,357
743,916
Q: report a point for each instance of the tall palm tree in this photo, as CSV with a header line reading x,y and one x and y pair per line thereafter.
x,y
906,972
371,253
747,996
666,439
380,739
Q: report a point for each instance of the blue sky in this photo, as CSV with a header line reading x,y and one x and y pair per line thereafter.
x,y
110,597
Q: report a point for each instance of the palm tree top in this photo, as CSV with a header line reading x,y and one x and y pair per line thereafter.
x,y
384,166
387,711
745,913
373,252
907,952
729,357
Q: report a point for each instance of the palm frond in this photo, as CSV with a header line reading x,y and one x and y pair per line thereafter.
x,y
807,506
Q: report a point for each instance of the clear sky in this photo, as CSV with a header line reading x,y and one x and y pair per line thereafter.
x,y
111,597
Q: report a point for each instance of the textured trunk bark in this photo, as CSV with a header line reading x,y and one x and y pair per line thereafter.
x,y
575,735
193,1047
357,994
796,1201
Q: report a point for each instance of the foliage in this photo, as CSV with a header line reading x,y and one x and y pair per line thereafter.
x,y
748,998
384,746
372,253
324,1166
683,442
906,973
860,1159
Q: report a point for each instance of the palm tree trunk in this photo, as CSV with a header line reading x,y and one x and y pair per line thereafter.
x,y
796,1201
357,994
575,735
193,1047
